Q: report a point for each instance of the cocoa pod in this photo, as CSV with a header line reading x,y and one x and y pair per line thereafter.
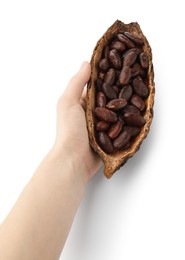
x,y
126,42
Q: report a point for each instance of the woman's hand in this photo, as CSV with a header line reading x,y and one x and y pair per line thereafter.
x,y
71,135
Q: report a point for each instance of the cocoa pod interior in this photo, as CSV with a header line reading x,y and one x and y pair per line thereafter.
x,y
114,73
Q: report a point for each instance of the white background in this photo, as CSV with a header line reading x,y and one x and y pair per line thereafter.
x,y
139,213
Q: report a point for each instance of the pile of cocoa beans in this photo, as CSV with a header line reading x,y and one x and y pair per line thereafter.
x,y
121,92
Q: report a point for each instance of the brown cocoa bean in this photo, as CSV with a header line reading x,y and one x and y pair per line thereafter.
x,y
116,104
126,40
126,92
110,76
131,109
121,140
109,91
102,126
125,75
100,99
133,119
140,87
104,64
136,39
98,84
115,130
138,102
133,130
144,60
130,57
117,72
119,46
105,142
101,75
120,118
116,89
105,114
126,146
137,70
115,59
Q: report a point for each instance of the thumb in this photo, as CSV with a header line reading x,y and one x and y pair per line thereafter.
x,y
76,85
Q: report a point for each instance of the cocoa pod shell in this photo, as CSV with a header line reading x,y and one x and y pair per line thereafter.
x,y
112,162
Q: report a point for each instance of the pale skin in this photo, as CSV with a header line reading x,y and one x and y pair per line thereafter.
x,y
38,225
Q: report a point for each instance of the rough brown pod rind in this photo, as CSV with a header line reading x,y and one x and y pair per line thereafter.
x,y
112,162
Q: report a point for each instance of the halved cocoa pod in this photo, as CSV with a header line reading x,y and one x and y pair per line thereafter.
x,y
118,151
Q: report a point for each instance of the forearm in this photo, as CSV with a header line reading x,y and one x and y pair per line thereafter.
x,y
39,223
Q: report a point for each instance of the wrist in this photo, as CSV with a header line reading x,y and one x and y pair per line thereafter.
x,y
69,164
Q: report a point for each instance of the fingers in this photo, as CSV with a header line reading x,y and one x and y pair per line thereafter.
x,y
76,85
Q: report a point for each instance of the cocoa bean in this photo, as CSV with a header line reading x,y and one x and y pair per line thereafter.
x,y
116,89
105,142
115,59
137,70
119,46
121,140
102,126
105,114
100,99
116,104
131,109
110,76
109,91
133,130
98,84
136,39
125,75
130,57
115,129
140,87
126,40
138,102
126,92
134,119
104,64
144,60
